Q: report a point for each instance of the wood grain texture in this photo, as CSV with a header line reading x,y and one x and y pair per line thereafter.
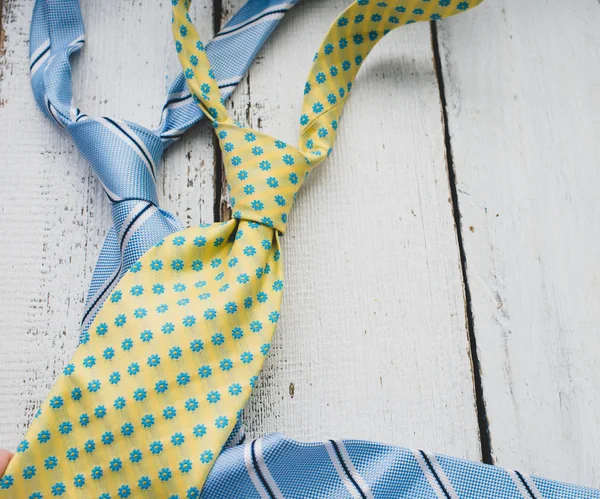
x,y
53,212
372,342
522,83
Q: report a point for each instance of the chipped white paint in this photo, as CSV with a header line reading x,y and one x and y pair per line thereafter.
x,y
523,88
373,341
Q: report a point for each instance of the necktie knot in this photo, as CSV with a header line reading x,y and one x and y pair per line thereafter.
x,y
264,174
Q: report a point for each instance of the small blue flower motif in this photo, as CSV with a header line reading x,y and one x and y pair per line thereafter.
x,y
100,411
58,489
139,394
248,302
253,381
249,251
79,481
189,320
89,361
435,17
288,159
124,491
229,146
116,296
199,431
257,151
189,73
418,12
43,436
185,466
357,39
50,463
280,200
183,379
127,430
317,107
259,272
265,165
237,333
153,360
183,301
158,289
97,473
156,265
193,60
210,314
133,369
293,178
119,403
274,316
200,46
179,287
243,279
89,446
191,405
183,30
213,397
218,339
169,412
56,402
120,320
343,43
147,421
332,99
178,240
167,328
342,21
359,19
307,88
226,364
205,87
463,6
94,386
250,137
107,438
206,457
115,464
262,297
64,429
205,372
278,285
402,9
28,472
221,422
84,420
161,386
373,35
144,483
146,336
346,65
177,439
175,353
236,161
135,456
156,448
204,296
200,241
257,205
255,326
127,344
140,313
195,346
164,474
264,349
137,290
72,454
246,357
177,265
101,329
320,77
230,307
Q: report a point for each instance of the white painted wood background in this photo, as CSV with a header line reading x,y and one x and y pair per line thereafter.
x,y
493,121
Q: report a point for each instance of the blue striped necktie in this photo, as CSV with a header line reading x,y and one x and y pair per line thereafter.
x,y
125,158
124,155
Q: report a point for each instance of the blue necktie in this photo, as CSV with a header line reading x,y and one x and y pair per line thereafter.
x,y
125,157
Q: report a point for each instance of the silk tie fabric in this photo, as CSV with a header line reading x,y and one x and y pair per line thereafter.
x,y
217,243
123,155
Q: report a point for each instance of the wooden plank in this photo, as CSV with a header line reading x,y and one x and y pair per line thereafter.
x,y
522,84
372,342
54,215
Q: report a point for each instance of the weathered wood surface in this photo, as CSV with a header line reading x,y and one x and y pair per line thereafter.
x,y
374,340
522,81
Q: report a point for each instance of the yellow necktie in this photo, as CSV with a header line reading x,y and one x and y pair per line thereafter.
x,y
146,404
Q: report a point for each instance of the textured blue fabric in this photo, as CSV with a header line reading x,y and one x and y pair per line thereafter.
x,y
277,467
125,156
